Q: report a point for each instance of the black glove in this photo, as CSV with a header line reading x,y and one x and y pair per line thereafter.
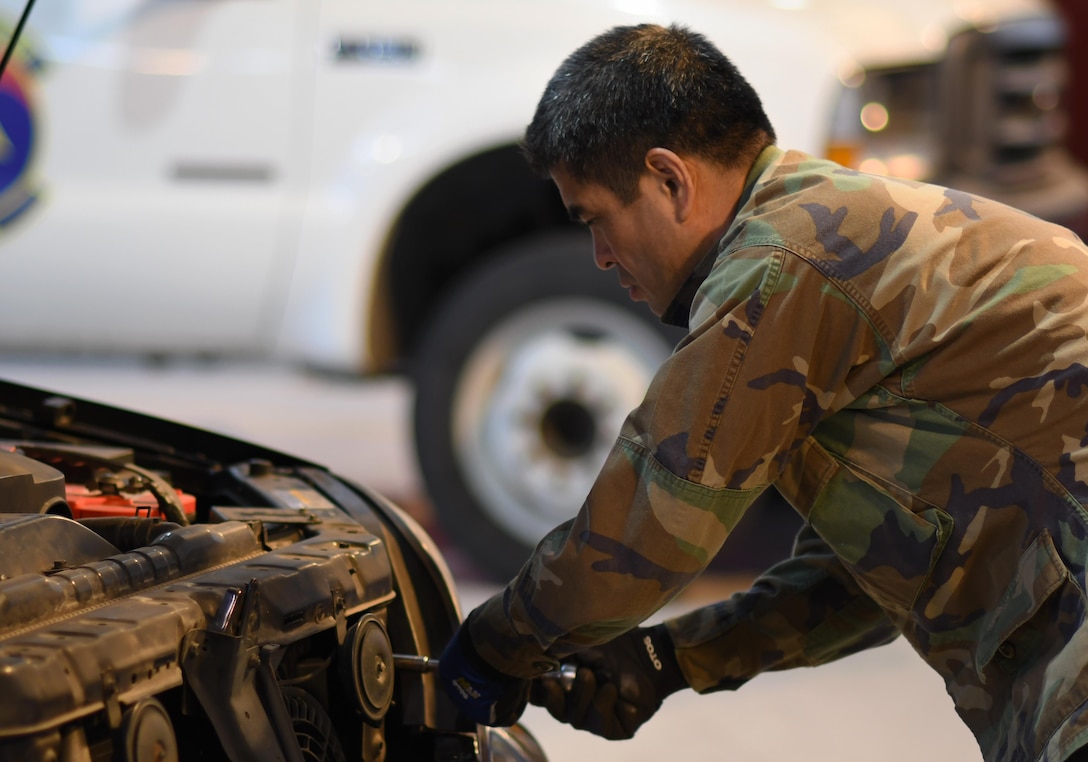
x,y
482,693
618,686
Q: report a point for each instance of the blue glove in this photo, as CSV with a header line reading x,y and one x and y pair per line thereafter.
x,y
482,693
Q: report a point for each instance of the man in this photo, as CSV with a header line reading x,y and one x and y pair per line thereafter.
x,y
905,363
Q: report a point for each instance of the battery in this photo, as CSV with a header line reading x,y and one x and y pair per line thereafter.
x,y
88,503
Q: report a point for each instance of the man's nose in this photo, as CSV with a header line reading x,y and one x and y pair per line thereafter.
x,y
602,254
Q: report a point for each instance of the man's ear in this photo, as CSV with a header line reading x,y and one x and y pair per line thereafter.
x,y
674,177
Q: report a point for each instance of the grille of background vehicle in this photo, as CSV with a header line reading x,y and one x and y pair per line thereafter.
x,y
1002,89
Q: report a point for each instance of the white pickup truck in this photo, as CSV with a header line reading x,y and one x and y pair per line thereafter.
x,y
338,184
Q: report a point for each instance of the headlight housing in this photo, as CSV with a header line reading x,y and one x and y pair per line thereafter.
x,y
886,122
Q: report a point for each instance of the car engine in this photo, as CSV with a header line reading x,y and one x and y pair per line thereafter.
x,y
171,594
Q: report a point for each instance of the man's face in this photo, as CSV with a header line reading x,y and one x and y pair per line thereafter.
x,y
642,241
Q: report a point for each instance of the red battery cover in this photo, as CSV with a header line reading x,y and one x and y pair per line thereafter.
x,y
86,503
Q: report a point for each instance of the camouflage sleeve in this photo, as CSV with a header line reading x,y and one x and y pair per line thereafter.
x,y
720,420
802,612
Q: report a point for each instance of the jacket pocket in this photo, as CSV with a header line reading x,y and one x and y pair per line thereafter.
x,y
1004,636
1030,655
890,548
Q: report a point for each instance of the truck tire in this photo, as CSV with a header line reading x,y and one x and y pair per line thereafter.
x,y
522,381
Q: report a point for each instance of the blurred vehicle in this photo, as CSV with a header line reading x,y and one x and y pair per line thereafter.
x,y
170,594
338,184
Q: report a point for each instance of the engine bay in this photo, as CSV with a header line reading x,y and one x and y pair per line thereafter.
x,y
170,594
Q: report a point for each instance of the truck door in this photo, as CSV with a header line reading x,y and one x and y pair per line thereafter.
x,y
151,154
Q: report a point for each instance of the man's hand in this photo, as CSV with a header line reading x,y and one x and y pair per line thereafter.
x,y
619,685
481,692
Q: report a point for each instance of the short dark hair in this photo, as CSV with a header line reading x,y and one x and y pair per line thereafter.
x,y
634,88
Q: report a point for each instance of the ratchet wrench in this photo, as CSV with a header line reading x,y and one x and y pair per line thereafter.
x,y
416,663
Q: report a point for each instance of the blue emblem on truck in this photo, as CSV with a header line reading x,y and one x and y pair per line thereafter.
x,y
17,139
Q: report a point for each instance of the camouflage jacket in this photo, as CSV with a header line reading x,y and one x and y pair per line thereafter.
x,y
907,365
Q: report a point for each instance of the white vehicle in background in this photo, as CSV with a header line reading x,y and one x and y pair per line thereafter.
x,y
338,184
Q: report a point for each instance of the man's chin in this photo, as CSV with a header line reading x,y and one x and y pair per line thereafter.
x,y
657,309
636,294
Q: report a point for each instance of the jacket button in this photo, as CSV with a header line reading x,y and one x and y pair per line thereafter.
x,y
1006,651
